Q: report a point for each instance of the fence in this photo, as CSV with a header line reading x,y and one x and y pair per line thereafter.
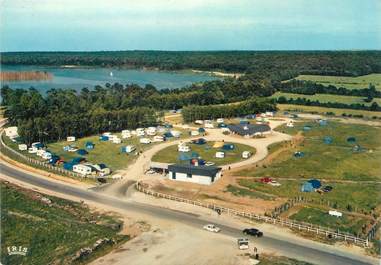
x,y
276,221
35,163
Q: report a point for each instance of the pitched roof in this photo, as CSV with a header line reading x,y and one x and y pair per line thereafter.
x,y
208,171
248,129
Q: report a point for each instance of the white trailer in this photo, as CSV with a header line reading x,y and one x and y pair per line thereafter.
x,y
158,138
220,154
23,147
70,139
82,169
46,155
116,140
145,140
246,154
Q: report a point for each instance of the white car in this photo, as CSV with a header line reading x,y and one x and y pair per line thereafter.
x,y
274,183
212,228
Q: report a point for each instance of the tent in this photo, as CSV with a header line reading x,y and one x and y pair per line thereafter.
x,y
199,141
195,155
315,183
201,130
77,160
68,165
218,144
222,125
228,147
103,138
168,135
298,154
307,187
322,122
82,152
327,140
307,128
351,140
89,145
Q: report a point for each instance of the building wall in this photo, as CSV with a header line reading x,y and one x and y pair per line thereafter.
x,y
194,179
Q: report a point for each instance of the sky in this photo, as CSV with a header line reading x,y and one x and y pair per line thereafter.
x,y
88,25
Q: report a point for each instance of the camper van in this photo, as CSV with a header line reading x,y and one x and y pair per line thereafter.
x,y
23,147
145,140
199,122
140,133
220,154
151,131
32,150
70,139
106,134
40,152
194,133
246,154
82,169
220,120
209,125
176,133
116,140
128,149
158,138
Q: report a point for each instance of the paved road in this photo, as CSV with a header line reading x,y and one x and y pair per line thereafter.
x,y
324,256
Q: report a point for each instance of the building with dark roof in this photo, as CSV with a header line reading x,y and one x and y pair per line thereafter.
x,y
249,130
196,174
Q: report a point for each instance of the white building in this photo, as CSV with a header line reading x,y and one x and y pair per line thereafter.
x,y
82,169
205,175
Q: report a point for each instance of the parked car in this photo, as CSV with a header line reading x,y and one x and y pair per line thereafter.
x,y
212,228
274,183
327,188
252,232
243,243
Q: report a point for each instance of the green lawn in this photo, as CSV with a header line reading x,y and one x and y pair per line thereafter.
x,y
52,233
104,152
206,151
267,259
345,81
362,197
324,111
325,98
329,161
346,223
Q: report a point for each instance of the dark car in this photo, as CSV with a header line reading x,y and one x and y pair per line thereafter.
x,y
327,188
252,232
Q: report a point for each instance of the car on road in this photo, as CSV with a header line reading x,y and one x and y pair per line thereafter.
x,y
212,228
252,232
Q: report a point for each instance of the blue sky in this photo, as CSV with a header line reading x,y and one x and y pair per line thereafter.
x,y
78,25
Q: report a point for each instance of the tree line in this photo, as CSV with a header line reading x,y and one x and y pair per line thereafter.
x,y
250,106
311,88
277,64
307,102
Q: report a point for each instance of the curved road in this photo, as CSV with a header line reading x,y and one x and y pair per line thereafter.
x,y
319,255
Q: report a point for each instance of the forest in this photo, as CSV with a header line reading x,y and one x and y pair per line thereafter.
x,y
279,65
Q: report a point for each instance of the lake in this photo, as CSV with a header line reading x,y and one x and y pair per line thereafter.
x,y
77,78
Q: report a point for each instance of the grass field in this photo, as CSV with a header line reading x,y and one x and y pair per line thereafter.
x,y
362,197
279,260
346,223
104,152
335,161
344,81
324,111
325,98
54,232
206,151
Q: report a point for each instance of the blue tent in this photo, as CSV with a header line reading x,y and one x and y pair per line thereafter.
x,y
168,135
82,152
327,140
323,122
68,165
201,130
315,183
307,187
201,162
77,160
298,154
227,147
89,145
195,155
103,138
199,141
